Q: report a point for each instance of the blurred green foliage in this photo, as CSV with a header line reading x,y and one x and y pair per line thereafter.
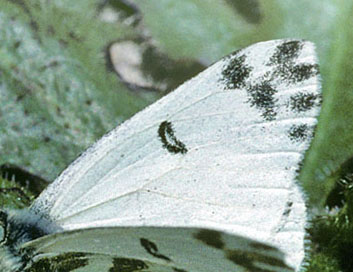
x,y
56,94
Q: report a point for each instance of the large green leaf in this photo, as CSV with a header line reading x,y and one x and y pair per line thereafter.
x,y
57,96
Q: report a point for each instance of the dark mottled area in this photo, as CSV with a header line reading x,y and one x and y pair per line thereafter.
x,y
236,72
63,43
304,101
51,64
62,263
284,71
286,52
288,208
346,171
344,183
18,193
127,265
17,44
22,4
252,260
262,246
51,30
299,133
296,73
262,97
250,10
179,270
35,184
284,58
211,238
169,141
152,249
32,22
16,232
3,227
75,36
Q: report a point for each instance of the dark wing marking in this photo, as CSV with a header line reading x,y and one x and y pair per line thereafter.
x,y
288,208
152,249
299,133
127,265
286,52
236,72
64,262
301,102
250,260
296,73
285,70
170,142
211,238
262,97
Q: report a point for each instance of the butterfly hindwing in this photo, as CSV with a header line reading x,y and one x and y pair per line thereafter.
x,y
152,249
219,152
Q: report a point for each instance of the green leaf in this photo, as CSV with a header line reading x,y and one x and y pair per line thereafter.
x,y
57,96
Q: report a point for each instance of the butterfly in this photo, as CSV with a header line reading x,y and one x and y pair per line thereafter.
x,y
202,180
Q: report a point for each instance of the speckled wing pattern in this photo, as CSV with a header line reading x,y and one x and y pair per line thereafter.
x,y
152,249
220,152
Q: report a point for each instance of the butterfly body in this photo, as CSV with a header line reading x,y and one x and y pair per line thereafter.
x,y
202,180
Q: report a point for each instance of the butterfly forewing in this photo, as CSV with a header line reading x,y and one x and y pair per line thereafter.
x,y
219,152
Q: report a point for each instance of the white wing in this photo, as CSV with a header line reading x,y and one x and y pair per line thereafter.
x,y
152,249
219,152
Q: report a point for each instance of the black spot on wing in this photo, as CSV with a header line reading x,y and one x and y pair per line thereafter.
x,y
299,133
261,246
127,265
169,141
64,262
301,102
211,238
286,52
288,208
236,72
284,70
152,249
262,97
252,260
284,59
296,73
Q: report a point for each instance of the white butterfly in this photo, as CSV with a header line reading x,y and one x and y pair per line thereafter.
x,y
202,180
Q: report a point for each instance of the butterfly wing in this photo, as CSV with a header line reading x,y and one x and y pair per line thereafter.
x,y
152,249
221,151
